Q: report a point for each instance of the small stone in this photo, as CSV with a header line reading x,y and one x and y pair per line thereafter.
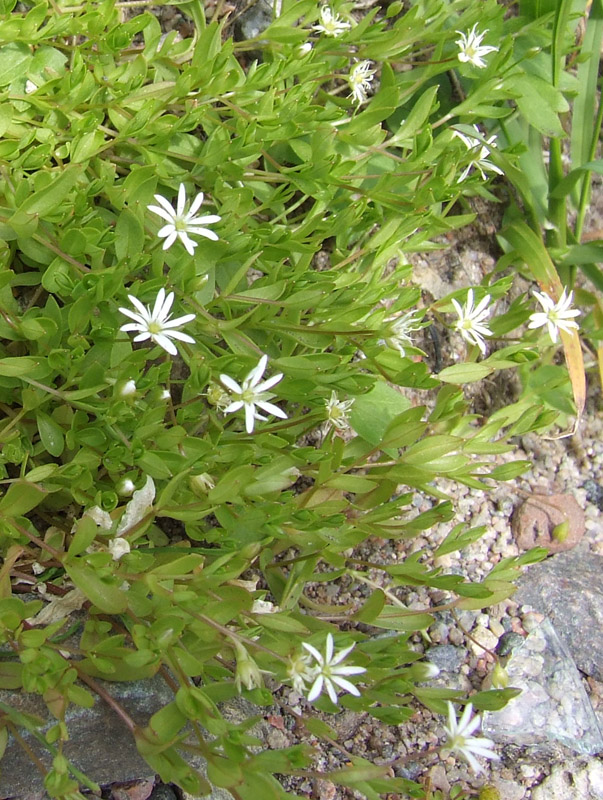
x,y
553,521
496,628
531,621
446,657
484,640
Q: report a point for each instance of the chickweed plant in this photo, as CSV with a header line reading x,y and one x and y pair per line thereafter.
x,y
209,342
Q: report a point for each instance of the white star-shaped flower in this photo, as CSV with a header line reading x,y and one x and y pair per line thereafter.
x,y
330,24
327,672
337,413
180,224
557,316
252,393
470,323
156,325
471,50
460,740
399,335
360,79
479,154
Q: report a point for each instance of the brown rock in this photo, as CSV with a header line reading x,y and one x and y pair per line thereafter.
x,y
537,518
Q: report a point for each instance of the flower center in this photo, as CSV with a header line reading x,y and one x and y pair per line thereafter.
x,y
180,224
154,327
248,396
467,324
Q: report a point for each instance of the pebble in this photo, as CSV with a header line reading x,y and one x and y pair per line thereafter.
x,y
484,640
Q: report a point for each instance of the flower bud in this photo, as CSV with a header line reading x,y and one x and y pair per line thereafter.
x,y
424,671
303,49
125,487
202,484
248,673
127,390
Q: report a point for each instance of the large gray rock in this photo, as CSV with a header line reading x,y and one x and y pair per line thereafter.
x,y
553,705
100,745
568,588
565,783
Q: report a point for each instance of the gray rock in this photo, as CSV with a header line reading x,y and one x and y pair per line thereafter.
x,y
447,657
254,20
567,783
553,705
568,588
100,744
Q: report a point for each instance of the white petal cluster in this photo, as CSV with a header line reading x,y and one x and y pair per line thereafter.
x,y
400,330
460,739
330,23
181,223
253,394
338,413
327,671
470,323
360,79
118,547
556,316
479,154
471,49
156,324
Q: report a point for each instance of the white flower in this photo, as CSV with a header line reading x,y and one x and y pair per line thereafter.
x,y
479,154
300,672
470,323
360,79
253,393
327,673
180,224
462,742
128,389
216,396
330,23
337,413
471,49
30,87
118,547
556,315
156,324
399,336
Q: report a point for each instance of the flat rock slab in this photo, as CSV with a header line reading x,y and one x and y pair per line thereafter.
x,y
564,783
568,588
100,744
553,705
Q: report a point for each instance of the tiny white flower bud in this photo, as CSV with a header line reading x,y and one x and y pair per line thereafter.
x,y
30,87
128,389
304,49
125,487
165,395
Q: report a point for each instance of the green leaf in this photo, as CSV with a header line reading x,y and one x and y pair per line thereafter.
x,y
48,199
129,235
540,103
51,434
20,498
14,367
374,411
105,595
465,373
458,538
13,59
493,699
